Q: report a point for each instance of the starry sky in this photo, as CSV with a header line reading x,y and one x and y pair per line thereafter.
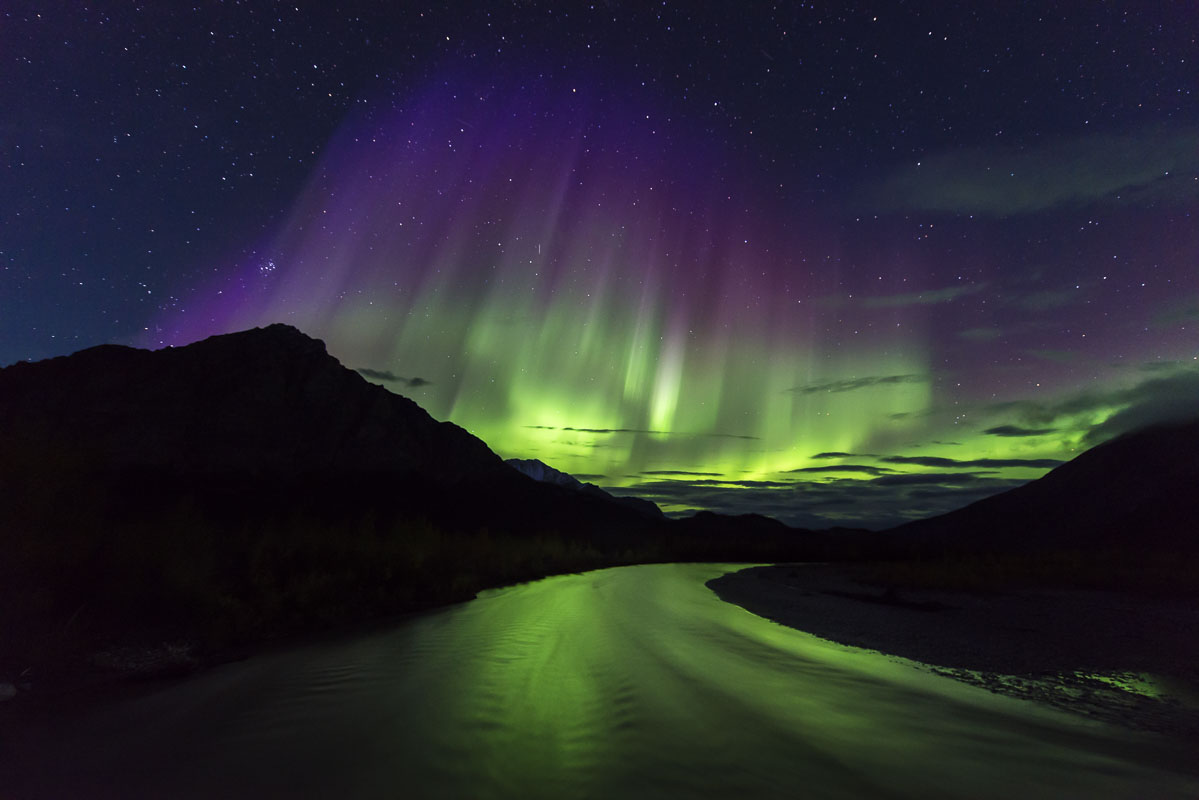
x,y
839,263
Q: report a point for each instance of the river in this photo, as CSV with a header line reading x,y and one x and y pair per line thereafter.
x,y
627,682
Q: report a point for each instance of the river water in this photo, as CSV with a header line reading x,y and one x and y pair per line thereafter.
x,y
627,682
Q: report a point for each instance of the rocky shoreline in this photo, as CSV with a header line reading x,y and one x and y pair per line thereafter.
x,y
1115,657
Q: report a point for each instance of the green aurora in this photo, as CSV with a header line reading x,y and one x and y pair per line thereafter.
x,y
572,293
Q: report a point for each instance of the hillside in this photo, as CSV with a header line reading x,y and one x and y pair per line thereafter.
x,y
1134,493
269,400
249,486
544,473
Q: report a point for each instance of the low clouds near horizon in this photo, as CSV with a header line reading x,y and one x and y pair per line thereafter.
x,y
876,503
878,494
390,377
571,429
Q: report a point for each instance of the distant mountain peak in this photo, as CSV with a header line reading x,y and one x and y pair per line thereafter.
x,y
540,471
544,473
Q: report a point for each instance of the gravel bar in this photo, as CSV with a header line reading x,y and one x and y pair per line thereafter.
x,y
1121,658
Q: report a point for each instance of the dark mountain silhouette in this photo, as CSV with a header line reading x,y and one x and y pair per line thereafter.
x,y
540,471
250,485
1136,493
267,401
268,409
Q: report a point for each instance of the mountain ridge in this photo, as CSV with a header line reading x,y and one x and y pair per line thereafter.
x,y
1136,492
540,471
226,402
248,486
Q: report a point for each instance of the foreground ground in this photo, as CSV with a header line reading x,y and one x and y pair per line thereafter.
x,y
633,682
1117,657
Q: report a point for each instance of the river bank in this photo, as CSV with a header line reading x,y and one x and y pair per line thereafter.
x,y
632,682
1116,657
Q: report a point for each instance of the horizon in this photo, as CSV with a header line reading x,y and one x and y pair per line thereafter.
x,y
835,268
898,475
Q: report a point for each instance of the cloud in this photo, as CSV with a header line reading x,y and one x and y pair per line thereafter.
x,y
927,412
947,479
1140,167
862,468
876,503
987,463
1159,400
1016,430
925,298
639,430
1179,314
1166,366
851,495
681,472
747,484
378,374
391,377
980,334
853,384
1170,398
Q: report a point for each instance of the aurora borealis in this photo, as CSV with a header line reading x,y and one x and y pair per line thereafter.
x,y
840,266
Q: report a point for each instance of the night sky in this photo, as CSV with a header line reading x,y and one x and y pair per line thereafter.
x,y
836,263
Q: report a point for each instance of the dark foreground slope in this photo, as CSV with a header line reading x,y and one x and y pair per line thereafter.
x,y
1123,515
1138,492
249,485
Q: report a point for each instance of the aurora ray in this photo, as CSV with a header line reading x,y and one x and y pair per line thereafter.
x,y
569,285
